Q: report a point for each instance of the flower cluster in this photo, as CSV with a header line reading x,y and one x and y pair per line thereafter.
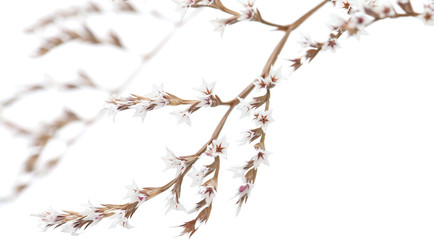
x,y
270,81
72,222
359,15
140,104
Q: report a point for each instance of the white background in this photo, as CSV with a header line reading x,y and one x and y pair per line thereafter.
x,y
351,143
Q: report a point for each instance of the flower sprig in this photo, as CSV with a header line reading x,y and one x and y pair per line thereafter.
x,y
216,147
359,18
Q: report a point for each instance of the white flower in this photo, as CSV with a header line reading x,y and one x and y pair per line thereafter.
x,y
249,11
357,23
69,227
330,44
245,189
219,25
141,109
134,194
247,14
251,135
159,97
173,161
217,148
307,42
384,11
49,218
183,116
208,193
110,108
261,157
172,204
198,176
275,76
92,214
247,137
207,88
242,194
427,16
245,107
262,119
120,219
205,101
261,83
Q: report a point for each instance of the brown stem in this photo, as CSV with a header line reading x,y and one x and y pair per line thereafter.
x,y
303,18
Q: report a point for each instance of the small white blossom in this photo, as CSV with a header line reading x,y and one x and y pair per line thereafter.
x,y
92,214
134,194
141,109
217,148
245,189
249,11
261,157
384,10
242,194
198,176
183,117
49,218
120,219
330,44
207,88
172,204
275,76
219,25
110,108
247,14
173,161
208,193
251,135
261,83
357,23
427,16
245,107
159,97
205,101
262,119
306,42
247,137
68,227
